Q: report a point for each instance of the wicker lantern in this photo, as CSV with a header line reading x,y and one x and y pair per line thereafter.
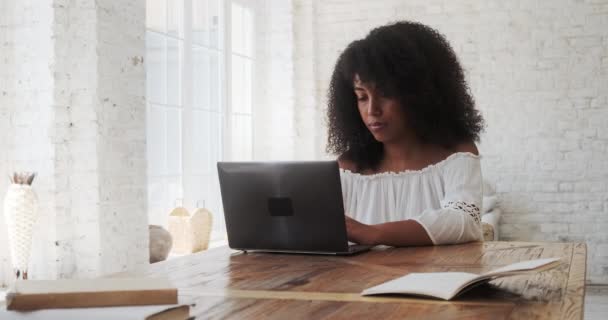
x,y
190,232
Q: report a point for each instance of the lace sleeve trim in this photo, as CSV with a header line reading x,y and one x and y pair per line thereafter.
x,y
469,208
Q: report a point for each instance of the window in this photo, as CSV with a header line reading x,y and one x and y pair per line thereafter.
x,y
241,55
199,61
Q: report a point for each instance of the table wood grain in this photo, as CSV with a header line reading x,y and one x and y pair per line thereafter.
x,y
227,284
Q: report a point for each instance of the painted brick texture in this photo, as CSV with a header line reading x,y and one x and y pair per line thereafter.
x,y
74,110
538,72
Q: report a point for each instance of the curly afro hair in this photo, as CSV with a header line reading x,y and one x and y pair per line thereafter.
x,y
414,64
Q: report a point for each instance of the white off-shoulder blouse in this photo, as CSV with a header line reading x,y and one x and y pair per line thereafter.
x,y
445,198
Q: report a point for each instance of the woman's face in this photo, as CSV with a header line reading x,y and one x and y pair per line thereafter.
x,y
382,115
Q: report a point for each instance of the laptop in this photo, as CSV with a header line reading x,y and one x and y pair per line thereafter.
x,y
291,207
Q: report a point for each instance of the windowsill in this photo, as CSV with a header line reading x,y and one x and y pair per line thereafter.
x,y
212,244
218,243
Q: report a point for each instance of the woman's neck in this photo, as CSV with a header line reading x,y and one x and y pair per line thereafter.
x,y
410,154
402,151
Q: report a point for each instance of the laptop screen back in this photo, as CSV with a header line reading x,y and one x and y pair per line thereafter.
x,y
291,206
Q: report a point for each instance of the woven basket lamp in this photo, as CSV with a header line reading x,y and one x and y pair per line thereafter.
x,y
190,232
21,213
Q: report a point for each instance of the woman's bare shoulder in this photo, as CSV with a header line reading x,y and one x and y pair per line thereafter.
x,y
440,154
467,147
346,163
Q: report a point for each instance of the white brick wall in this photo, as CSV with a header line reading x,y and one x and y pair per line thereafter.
x,y
74,138
538,72
122,134
74,110
26,88
307,112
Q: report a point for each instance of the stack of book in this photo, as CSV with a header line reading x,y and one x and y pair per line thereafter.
x,y
109,298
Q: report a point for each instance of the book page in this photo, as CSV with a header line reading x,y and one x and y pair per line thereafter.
x,y
90,285
524,266
443,285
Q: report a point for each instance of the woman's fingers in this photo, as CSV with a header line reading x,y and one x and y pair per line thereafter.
x,y
359,232
353,229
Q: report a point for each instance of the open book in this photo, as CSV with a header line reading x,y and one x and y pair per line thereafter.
x,y
447,285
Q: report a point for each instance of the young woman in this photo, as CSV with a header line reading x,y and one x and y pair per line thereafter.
x,y
404,124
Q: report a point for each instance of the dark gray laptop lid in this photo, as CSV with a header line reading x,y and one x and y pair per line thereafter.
x,y
291,206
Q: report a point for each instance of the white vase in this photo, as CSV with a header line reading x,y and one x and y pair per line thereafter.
x,y
20,212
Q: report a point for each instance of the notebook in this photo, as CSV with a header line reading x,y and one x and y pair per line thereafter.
x,y
28,295
447,285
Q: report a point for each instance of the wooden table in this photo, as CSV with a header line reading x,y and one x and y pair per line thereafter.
x,y
231,284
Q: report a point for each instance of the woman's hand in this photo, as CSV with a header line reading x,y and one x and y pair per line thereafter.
x,y
361,233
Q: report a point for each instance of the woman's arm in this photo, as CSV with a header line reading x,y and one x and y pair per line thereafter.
x,y
398,234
